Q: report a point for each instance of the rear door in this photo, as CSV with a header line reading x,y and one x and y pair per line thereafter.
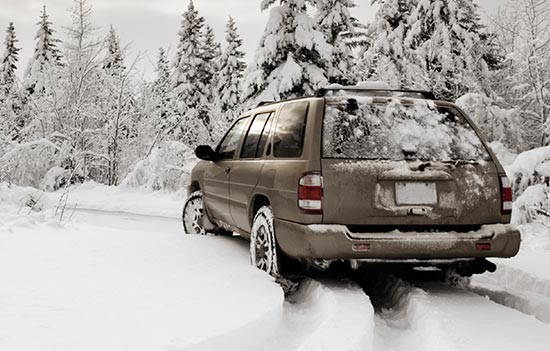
x,y
216,176
245,172
393,163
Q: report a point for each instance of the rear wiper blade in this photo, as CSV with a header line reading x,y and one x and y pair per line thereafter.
x,y
461,162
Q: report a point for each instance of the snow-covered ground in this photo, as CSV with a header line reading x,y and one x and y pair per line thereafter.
x,y
434,316
111,282
118,273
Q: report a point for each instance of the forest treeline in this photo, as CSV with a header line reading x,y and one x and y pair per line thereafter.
x,y
82,110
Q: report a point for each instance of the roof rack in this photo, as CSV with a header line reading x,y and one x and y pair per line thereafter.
x,y
379,92
263,103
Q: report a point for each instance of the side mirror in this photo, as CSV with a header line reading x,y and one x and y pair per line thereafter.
x,y
205,152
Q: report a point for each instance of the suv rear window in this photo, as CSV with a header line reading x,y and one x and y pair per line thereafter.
x,y
288,139
360,128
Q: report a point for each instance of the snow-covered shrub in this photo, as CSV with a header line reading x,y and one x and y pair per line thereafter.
x,y
530,168
168,167
55,178
503,153
533,206
27,163
495,122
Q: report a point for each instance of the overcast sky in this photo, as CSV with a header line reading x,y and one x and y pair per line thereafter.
x,y
148,24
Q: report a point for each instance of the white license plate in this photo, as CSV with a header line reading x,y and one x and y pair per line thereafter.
x,y
415,193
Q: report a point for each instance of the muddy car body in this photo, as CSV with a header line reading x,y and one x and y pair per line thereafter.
x,y
360,175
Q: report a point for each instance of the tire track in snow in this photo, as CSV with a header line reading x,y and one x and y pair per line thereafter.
x,y
435,316
324,315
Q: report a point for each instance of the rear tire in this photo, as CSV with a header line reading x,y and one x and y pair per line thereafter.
x,y
263,248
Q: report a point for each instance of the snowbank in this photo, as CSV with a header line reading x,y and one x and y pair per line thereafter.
x,y
521,283
81,286
16,200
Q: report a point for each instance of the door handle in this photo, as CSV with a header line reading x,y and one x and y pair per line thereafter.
x,y
227,170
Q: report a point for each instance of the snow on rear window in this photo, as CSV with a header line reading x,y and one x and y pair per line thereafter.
x,y
359,128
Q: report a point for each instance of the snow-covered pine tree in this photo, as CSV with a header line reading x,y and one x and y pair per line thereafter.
x,y
231,69
336,23
159,111
113,61
161,84
440,50
10,105
385,58
190,94
293,55
8,65
186,82
46,54
211,52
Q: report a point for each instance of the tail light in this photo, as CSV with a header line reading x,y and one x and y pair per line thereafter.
x,y
310,193
506,193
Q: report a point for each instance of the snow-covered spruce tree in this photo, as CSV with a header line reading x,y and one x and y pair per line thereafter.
x,y
293,55
46,54
190,94
211,52
156,104
161,85
231,70
440,49
8,65
113,58
10,104
385,59
336,23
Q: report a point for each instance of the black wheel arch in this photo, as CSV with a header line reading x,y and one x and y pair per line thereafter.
x,y
257,202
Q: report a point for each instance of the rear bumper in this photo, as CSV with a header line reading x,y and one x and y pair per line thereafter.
x,y
333,242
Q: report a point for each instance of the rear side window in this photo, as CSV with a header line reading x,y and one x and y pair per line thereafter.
x,y
230,142
288,139
251,145
363,129
265,136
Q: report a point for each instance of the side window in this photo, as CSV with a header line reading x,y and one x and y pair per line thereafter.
x,y
251,143
288,139
230,142
265,136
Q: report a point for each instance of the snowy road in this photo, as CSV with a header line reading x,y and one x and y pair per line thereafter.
x,y
114,281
